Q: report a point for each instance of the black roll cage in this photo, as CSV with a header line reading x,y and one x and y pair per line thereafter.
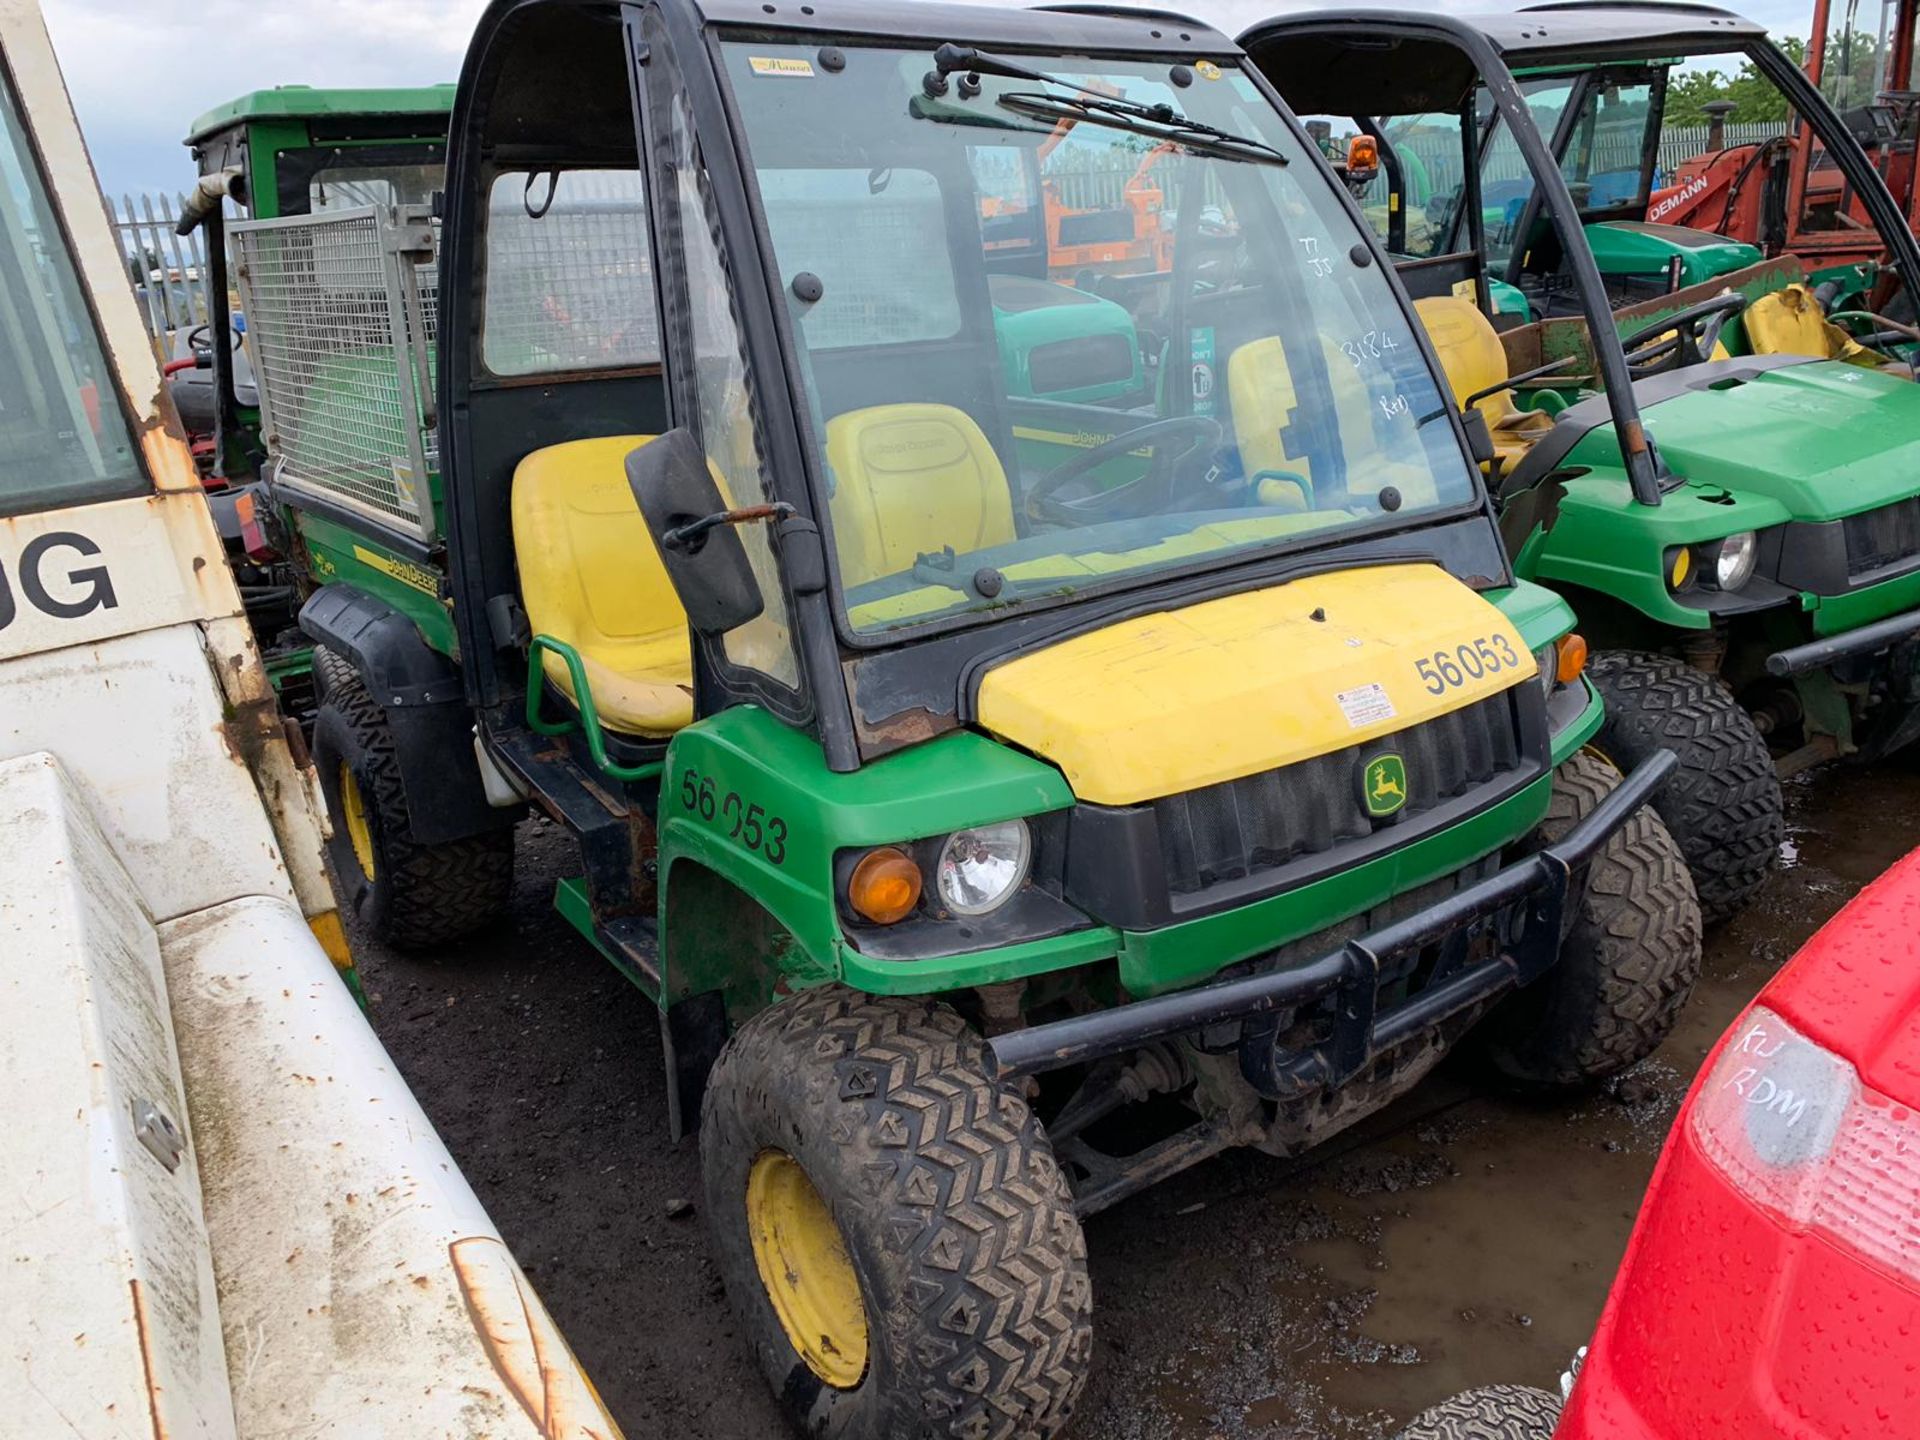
x,y
1645,472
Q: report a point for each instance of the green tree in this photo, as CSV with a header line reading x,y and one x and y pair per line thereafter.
x,y
1689,94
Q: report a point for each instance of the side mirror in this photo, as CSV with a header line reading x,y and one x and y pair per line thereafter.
x,y
676,488
1479,438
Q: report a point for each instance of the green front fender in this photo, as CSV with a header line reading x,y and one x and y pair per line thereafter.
x,y
1597,536
749,801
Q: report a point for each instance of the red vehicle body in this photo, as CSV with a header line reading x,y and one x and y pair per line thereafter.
x,y
1784,194
1772,1284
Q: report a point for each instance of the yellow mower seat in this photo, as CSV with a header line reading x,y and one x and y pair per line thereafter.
x,y
908,480
1471,354
591,577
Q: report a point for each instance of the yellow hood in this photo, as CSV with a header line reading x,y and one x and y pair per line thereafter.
x,y
1185,698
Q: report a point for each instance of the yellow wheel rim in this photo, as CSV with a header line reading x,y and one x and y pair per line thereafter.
x,y
804,1267
359,832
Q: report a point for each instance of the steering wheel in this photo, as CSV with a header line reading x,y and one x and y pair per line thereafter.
x,y
200,337
1696,330
1203,431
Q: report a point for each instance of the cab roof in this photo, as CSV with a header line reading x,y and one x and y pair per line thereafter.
x,y
306,102
1120,27
1532,34
1352,62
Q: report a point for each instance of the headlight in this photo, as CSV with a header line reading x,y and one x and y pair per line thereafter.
x,y
979,869
1733,560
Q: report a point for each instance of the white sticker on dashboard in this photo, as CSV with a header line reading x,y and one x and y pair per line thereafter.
x,y
1365,705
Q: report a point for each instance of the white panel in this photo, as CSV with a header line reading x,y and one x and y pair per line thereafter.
x,y
138,722
107,1306
363,1290
68,577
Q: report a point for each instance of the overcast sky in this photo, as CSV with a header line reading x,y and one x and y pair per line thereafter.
x,y
141,70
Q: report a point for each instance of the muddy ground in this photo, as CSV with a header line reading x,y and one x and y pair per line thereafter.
x,y
1459,1238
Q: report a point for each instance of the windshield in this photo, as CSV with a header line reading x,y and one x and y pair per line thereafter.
x,y
1602,154
1048,343
63,440
346,186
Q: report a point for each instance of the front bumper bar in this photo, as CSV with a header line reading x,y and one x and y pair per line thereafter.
x,y
1818,654
1533,892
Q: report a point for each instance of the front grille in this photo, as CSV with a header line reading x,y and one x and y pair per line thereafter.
x,y
1882,537
1230,831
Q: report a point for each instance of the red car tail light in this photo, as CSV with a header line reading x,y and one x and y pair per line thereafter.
x,y
1792,1127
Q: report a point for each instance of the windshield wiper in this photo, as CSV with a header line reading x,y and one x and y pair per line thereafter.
x,y
1097,108
1195,135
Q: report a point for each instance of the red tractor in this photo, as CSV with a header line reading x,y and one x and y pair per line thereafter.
x,y
1784,194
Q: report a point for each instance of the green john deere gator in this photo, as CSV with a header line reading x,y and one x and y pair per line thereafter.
x,y
1720,468
1021,754
294,150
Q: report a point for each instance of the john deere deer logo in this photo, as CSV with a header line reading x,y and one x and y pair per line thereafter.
x,y
1383,785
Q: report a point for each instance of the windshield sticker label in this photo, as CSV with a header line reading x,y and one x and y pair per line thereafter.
x,y
1207,70
778,65
1203,398
1365,705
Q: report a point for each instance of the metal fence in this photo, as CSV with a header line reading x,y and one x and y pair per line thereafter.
x,y
168,271
341,320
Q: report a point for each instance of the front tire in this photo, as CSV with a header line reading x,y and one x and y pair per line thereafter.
x,y
891,1225
1493,1412
408,895
1723,805
1628,959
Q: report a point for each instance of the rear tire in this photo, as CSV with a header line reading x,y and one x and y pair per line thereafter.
x,y
1628,960
1723,805
408,895
1493,1412
955,1298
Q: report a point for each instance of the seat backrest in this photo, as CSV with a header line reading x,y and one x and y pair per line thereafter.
x,y
907,480
588,567
1261,393
1790,322
1469,349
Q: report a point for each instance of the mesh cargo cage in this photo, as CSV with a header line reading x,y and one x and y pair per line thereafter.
x,y
344,324
342,311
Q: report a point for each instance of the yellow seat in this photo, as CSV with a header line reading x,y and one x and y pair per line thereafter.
x,y
591,577
1261,393
908,480
1790,322
1473,357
